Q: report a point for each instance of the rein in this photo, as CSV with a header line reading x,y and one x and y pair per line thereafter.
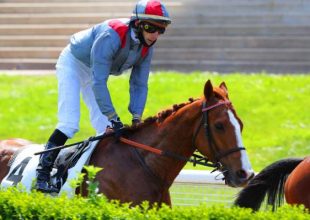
x,y
197,159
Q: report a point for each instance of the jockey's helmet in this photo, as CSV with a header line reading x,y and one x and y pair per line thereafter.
x,y
152,11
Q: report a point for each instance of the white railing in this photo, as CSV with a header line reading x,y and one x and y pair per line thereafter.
x,y
193,187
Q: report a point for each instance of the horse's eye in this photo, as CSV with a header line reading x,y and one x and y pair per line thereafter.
x,y
219,126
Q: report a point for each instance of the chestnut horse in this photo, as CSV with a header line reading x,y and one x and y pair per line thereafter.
x,y
290,177
209,125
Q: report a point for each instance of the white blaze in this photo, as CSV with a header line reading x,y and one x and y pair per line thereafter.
x,y
244,158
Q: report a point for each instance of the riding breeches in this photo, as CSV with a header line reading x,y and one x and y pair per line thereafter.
x,y
74,78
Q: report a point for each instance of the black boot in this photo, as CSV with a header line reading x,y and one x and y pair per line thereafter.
x,y
44,169
47,161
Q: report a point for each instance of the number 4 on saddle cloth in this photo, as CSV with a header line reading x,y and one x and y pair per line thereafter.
x,y
68,165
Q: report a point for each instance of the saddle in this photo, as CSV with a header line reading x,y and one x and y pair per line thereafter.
x,y
67,159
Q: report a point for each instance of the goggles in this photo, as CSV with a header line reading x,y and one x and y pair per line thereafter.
x,y
150,28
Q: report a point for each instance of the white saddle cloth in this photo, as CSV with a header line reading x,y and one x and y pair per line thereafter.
x,y
23,168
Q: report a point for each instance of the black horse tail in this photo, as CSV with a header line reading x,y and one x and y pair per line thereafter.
x,y
270,181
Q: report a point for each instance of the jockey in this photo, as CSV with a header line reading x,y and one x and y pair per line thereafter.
x,y
85,65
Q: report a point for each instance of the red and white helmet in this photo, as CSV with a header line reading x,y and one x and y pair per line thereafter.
x,y
151,10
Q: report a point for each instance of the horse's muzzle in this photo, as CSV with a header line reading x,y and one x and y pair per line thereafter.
x,y
239,178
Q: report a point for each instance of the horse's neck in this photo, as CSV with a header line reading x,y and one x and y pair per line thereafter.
x,y
175,135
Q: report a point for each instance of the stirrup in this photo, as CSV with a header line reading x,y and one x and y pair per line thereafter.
x,y
45,187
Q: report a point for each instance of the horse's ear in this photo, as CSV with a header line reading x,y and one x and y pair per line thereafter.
x,y
208,90
223,86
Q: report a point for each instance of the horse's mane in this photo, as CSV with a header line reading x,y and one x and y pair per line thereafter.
x,y
161,116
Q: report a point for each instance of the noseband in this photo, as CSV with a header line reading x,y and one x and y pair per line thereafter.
x,y
205,123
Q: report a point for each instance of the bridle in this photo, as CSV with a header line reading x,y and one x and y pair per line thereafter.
x,y
206,125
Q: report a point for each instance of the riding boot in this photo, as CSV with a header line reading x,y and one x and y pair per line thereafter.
x,y
46,162
44,169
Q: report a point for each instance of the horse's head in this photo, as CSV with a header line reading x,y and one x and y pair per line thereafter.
x,y
220,130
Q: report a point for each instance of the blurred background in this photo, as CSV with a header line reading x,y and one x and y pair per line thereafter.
x,y
206,35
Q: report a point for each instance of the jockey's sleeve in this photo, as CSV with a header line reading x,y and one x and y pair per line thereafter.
x,y
139,85
102,53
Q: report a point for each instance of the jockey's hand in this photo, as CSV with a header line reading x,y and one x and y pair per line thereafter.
x,y
117,126
135,122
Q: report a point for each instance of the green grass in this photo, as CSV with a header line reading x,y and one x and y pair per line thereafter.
x,y
274,108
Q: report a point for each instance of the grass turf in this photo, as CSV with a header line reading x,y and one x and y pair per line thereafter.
x,y
274,108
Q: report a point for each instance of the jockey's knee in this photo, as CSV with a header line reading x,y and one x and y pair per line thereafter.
x,y
100,125
68,131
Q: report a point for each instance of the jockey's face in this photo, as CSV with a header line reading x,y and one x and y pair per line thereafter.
x,y
150,37
151,31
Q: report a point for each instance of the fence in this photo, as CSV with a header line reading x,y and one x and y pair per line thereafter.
x,y
193,187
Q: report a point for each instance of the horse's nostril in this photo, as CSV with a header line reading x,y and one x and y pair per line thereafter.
x,y
241,174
